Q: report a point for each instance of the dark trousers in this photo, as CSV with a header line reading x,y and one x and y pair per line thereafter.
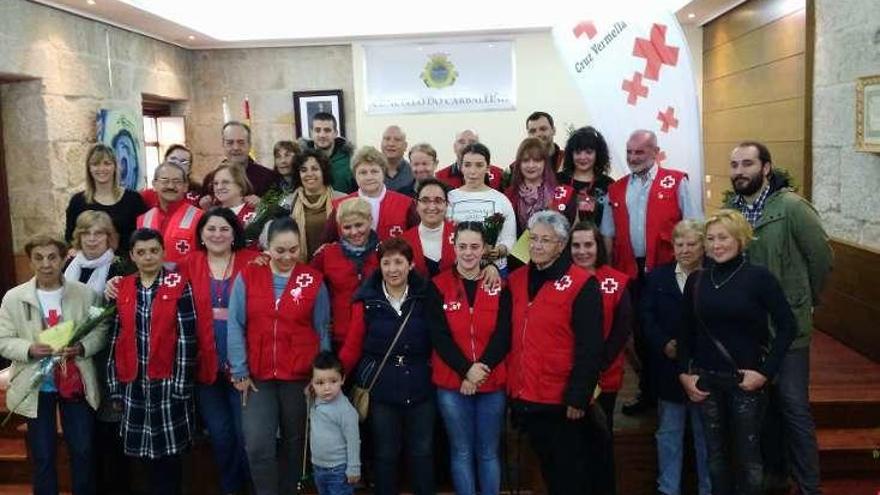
x,y
731,413
647,381
78,423
600,441
561,447
113,466
395,426
165,474
220,407
791,440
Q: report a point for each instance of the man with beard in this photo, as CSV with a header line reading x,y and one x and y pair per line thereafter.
x,y
644,207
791,243
236,147
325,137
540,125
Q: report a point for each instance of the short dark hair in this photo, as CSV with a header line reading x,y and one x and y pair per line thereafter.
x,y
244,126
175,147
326,360
537,115
432,181
470,226
145,234
395,245
280,226
479,149
300,159
590,226
42,240
238,239
586,138
763,151
324,116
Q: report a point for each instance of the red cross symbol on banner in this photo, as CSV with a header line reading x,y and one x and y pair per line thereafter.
x,y
656,52
585,27
667,119
635,88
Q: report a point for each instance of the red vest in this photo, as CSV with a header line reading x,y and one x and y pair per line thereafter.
x,y
343,279
447,249
494,175
162,347
246,214
542,342
178,230
471,329
281,340
611,285
195,268
662,215
393,213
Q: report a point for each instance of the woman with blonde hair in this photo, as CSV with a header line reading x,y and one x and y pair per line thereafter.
x,y
231,186
727,354
104,193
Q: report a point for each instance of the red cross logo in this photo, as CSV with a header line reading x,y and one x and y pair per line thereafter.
x,y
171,280
559,193
451,238
192,196
667,182
656,52
248,217
453,306
182,246
563,283
634,88
395,231
609,285
585,27
493,291
304,280
667,119
491,175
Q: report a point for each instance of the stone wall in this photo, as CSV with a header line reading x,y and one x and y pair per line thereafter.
x,y
49,116
846,183
268,76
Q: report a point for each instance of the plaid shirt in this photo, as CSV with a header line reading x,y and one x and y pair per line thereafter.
x,y
157,417
753,211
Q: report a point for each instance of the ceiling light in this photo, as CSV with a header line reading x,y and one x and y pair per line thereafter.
x,y
90,2
191,37
692,15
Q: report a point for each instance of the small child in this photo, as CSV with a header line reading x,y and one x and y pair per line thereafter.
x,y
334,436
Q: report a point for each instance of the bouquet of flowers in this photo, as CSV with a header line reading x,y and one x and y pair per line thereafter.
x,y
492,227
273,204
97,316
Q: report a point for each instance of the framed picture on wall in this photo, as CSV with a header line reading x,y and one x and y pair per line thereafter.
x,y
868,114
308,103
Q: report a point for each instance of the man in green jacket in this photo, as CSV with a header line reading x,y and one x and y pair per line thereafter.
x,y
325,137
791,243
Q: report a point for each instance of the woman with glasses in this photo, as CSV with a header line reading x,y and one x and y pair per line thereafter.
x,y
432,238
181,156
231,186
104,193
470,330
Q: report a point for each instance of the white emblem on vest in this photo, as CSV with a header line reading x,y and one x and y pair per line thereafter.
x,y
182,246
171,280
667,182
395,231
563,283
609,285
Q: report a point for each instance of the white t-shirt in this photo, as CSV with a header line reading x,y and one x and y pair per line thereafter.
x,y
375,203
50,302
477,206
432,241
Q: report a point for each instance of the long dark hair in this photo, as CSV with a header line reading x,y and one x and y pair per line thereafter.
x,y
586,138
589,226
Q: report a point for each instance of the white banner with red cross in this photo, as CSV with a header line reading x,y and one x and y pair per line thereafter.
x,y
633,68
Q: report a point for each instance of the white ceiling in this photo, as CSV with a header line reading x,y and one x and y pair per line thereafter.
x,y
205,24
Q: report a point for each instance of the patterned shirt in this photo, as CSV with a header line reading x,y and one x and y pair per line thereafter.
x,y
753,211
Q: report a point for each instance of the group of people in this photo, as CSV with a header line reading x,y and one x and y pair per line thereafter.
x,y
386,275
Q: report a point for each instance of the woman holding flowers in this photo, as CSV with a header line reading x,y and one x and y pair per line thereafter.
x,y
39,387
152,364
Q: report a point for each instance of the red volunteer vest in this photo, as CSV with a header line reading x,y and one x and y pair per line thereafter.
x,y
246,214
281,340
542,342
343,279
162,345
611,285
196,270
662,215
447,249
471,329
178,230
495,175
393,212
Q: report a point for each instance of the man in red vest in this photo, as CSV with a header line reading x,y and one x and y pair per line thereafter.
x,y
637,226
175,217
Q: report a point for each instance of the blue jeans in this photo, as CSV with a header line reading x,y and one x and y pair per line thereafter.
x,y
78,423
391,425
670,446
473,423
332,481
220,407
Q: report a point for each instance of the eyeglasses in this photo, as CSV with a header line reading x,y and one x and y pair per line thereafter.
x,y
173,182
432,201
543,241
